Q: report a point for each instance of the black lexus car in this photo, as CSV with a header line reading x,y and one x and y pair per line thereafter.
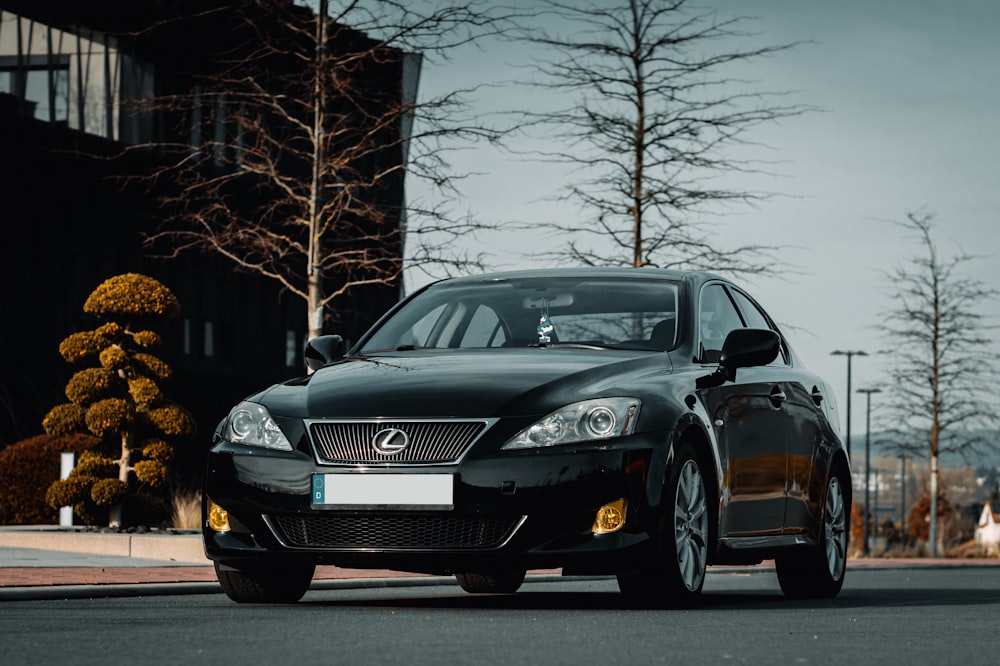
x,y
640,423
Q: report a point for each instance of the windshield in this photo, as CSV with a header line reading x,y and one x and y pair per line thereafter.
x,y
624,313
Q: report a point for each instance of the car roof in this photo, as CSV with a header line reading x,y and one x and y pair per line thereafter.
x,y
591,271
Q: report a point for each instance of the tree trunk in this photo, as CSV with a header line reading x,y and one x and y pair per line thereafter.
x,y
314,307
124,469
932,537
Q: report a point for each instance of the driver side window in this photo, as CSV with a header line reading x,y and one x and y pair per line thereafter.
x,y
717,316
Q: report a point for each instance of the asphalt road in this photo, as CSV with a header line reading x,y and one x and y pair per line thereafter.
x,y
919,616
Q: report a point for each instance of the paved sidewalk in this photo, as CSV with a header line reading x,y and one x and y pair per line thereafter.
x,y
46,561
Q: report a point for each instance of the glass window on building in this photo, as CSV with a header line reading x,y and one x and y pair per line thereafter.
x,y
41,83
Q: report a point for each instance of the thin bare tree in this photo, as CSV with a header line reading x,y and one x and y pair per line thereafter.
x,y
652,110
940,364
297,140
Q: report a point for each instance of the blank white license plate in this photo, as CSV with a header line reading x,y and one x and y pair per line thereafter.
x,y
376,491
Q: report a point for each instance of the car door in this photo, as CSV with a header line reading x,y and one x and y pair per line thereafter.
x,y
750,424
802,427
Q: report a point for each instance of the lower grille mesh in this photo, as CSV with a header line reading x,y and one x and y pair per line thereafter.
x,y
392,532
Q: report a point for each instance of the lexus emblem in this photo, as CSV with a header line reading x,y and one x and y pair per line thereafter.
x,y
390,441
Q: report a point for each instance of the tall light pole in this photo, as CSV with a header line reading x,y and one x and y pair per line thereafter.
x,y
849,354
868,444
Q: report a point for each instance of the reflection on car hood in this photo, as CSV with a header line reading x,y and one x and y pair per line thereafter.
x,y
461,383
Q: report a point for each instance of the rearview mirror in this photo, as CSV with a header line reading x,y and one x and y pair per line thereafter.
x,y
322,350
749,347
743,348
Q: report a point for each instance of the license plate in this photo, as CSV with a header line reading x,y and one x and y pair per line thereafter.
x,y
383,491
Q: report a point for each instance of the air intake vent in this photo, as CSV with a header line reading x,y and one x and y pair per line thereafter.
x,y
394,533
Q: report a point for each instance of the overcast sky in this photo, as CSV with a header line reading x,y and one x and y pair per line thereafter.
x,y
910,92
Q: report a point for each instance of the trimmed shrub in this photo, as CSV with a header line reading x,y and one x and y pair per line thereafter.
x,y
122,402
27,469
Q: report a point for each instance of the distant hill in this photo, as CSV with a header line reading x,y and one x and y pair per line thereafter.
x,y
989,455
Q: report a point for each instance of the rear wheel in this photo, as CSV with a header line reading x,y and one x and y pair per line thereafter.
x,y
496,582
675,576
818,572
277,583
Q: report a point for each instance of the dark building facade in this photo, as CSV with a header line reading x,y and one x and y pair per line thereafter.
x,y
70,221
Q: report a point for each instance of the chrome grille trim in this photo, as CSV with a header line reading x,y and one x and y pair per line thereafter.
x,y
432,441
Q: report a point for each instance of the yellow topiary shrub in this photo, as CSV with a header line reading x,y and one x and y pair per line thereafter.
x,y
152,367
67,492
111,415
79,346
147,339
151,472
64,420
171,420
144,391
92,463
132,296
89,385
107,492
122,402
114,358
157,449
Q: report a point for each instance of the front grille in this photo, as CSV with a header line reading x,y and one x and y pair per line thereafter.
x,y
394,532
430,442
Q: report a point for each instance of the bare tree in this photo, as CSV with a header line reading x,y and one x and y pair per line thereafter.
x,y
939,400
651,113
297,141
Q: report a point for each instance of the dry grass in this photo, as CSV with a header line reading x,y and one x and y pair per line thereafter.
x,y
187,509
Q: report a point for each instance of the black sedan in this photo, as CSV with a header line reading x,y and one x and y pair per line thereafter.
x,y
641,423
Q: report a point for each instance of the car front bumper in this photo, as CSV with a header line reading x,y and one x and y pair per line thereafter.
x,y
530,509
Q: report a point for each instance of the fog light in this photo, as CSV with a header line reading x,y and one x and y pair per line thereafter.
x,y
610,518
218,518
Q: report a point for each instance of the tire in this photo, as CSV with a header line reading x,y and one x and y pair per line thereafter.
x,y
818,572
277,583
497,582
674,576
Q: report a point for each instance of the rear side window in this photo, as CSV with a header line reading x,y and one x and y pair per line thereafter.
x,y
755,318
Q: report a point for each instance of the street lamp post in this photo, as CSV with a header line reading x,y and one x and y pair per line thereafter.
x,y
868,441
849,354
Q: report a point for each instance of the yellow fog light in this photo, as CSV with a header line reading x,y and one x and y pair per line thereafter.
x,y
218,518
610,517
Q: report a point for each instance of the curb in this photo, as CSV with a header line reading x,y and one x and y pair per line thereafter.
x,y
174,546
66,592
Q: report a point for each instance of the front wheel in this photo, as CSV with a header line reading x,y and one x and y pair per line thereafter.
x,y
496,582
277,583
676,574
818,572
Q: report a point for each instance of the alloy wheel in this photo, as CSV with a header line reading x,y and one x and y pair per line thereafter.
x,y
691,525
835,525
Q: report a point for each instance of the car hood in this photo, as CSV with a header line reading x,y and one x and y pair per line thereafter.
x,y
490,383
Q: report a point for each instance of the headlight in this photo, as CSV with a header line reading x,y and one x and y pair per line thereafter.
x,y
251,424
585,421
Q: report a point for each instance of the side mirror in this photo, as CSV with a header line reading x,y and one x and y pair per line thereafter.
x,y
322,350
743,348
